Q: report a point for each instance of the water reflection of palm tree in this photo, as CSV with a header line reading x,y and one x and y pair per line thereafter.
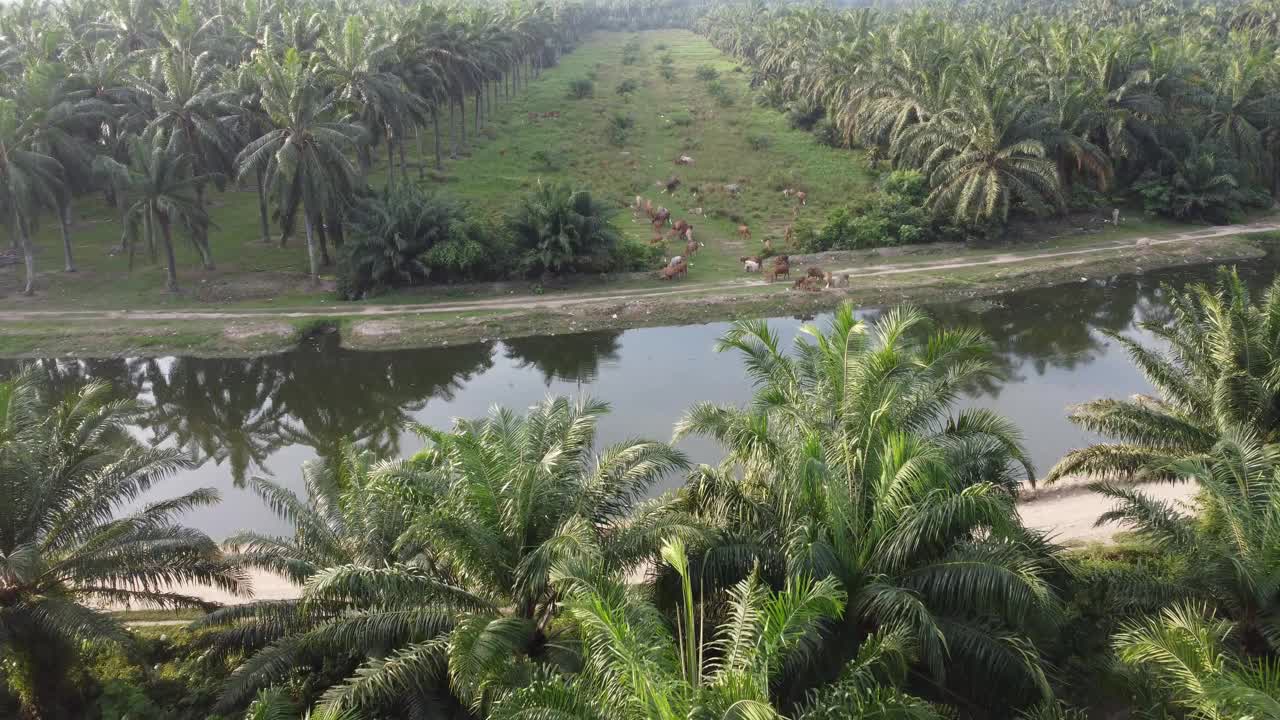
x,y
331,395
217,409
574,357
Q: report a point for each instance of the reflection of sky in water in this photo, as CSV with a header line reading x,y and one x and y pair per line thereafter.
x,y
1050,354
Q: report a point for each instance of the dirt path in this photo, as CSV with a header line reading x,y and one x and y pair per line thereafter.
x,y
530,303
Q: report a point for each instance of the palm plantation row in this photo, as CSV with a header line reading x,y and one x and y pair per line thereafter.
x,y
157,106
856,552
1173,107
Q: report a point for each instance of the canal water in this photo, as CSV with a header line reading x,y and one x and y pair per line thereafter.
x,y
267,415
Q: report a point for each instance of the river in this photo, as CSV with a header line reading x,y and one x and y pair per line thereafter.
x,y
267,415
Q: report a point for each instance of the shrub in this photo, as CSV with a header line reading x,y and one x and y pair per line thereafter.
x,y
559,229
619,129
759,142
894,215
706,73
681,119
826,133
720,93
632,256
581,88
545,161
626,87
804,115
667,72
667,60
660,47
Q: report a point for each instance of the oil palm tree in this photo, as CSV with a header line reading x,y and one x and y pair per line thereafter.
x,y
557,225
472,587
68,467
304,159
1229,548
163,189
848,463
30,182
982,156
636,667
1215,375
1189,652
188,102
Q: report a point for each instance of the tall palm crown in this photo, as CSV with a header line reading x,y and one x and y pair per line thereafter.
x,y
1216,374
304,159
847,463
473,573
69,471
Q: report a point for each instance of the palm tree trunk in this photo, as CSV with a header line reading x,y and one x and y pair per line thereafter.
x,y
462,120
28,253
391,164
435,120
422,154
322,235
263,214
479,104
64,223
313,254
201,233
166,231
404,162
453,132
334,221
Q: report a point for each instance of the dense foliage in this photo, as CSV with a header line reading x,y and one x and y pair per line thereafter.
x,y
1010,107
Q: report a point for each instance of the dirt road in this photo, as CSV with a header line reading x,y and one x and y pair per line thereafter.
x,y
538,302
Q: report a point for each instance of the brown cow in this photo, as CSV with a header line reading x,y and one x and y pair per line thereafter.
x,y
781,268
837,281
802,197
809,284
691,248
661,217
680,227
768,246
744,232
815,272
675,271
670,185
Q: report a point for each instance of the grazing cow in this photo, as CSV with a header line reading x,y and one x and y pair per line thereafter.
x,y
815,272
744,232
733,189
675,271
684,160
533,117
751,258
683,229
697,211
837,281
675,261
691,248
809,284
670,185
661,217
789,234
802,197
751,266
648,208
767,248
781,268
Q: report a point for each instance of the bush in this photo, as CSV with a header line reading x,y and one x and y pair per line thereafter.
x,y
660,47
581,88
619,129
667,60
759,142
667,72
559,229
632,256
706,73
545,161
626,87
895,215
826,133
804,115
681,119
720,93
403,237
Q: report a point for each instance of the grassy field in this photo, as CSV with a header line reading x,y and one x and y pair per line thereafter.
x,y
738,143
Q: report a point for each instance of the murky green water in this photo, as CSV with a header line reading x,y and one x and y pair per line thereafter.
x,y
241,417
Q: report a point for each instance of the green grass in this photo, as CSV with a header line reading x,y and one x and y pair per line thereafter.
x,y
499,167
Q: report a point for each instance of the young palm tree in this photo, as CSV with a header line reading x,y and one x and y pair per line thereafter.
x,y
847,463
471,588
1189,654
559,225
636,668
1216,375
30,182
68,468
304,159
